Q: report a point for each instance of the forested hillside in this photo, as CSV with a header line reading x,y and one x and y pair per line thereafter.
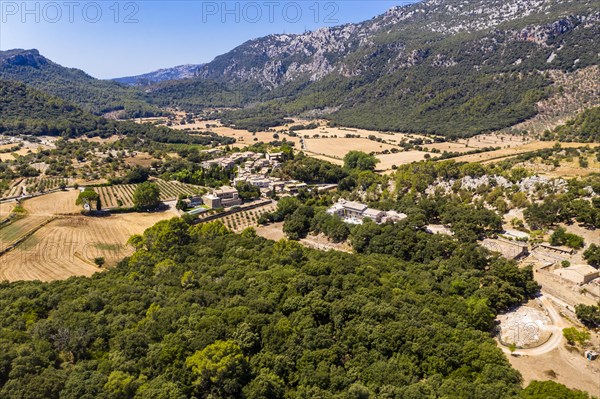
x,y
448,67
27,111
199,312
585,128
72,85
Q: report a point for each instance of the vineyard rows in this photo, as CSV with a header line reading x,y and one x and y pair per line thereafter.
x,y
35,185
122,195
241,220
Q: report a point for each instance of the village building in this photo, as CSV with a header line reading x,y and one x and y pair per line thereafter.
x,y
578,274
354,213
225,197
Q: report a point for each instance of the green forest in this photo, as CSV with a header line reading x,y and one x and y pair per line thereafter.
x,y
200,312
585,127
27,111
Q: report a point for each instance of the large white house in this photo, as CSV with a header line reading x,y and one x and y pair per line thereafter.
x,y
354,213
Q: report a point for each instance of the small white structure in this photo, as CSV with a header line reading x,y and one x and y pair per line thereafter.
x,y
578,274
438,229
516,235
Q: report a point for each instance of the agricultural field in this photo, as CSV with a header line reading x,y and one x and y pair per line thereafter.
x,y
36,185
6,208
38,210
68,244
387,161
122,195
510,152
495,140
14,190
339,147
241,220
340,132
567,169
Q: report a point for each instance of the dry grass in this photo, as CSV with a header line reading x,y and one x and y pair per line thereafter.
x,y
339,147
449,147
6,208
68,246
494,140
510,152
59,203
273,231
142,159
400,158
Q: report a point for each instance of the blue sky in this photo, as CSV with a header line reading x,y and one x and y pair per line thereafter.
x,y
119,38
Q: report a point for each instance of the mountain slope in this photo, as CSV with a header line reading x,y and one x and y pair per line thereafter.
x,y
27,111
440,66
161,75
24,110
72,85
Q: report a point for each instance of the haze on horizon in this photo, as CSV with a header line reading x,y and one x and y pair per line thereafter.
x,y
125,38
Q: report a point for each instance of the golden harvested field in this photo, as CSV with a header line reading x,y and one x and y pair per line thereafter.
x,y
494,140
6,208
15,230
141,159
67,246
509,152
400,158
245,138
273,231
341,132
449,147
59,203
9,155
339,147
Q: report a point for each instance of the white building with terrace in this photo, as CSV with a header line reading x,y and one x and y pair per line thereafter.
x,y
355,212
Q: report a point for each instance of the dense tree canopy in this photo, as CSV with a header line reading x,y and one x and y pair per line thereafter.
x,y
198,311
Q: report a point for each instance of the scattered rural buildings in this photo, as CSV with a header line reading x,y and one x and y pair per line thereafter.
x,y
225,197
355,212
578,274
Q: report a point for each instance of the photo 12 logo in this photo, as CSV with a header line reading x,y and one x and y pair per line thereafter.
x,y
270,11
69,11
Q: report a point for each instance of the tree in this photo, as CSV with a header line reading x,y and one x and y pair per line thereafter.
x,y
247,191
220,368
100,261
360,160
589,315
561,237
146,196
88,197
575,336
550,390
592,255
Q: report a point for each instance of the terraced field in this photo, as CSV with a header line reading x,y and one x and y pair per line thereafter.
x,y
122,195
241,220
